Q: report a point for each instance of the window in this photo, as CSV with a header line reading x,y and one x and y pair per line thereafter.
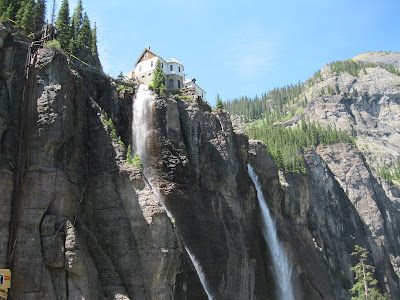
x,y
162,65
171,67
179,84
140,68
151,63
179,69
145,55
171,83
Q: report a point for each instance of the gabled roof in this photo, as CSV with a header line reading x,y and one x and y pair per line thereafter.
x,y
143,52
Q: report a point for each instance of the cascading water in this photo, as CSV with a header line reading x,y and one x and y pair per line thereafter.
x,y
142,112
282,270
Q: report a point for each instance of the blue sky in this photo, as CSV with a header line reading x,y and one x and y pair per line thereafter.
x,y
238,48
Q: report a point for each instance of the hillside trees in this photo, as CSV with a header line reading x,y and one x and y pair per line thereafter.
x,y
285,145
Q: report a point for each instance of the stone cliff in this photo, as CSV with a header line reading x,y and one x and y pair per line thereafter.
x,y
78,223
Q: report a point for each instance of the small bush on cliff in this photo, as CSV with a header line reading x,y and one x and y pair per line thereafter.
x,y
365,285
54,44
133,161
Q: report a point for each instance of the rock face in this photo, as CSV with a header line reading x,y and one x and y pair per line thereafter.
x,y
367,106
78,223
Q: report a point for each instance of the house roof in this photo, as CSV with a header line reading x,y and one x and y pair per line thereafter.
x,y
193,80
143,52
173,60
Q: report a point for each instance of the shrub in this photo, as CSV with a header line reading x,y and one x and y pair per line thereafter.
x,y
53,44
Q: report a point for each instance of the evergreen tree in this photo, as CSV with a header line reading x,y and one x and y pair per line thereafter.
x,y
3,6
25,16
364,286
219,102
77,20
40,14
129,158
63,26
12,9
158,83
85,34
73,42
28,17
95,51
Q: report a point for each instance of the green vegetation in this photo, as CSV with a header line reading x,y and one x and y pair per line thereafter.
x,y
158,84
390,173
364,287
52,44
28,15
285,145
354,67
274,106
133,161
64,34
220,105
73,34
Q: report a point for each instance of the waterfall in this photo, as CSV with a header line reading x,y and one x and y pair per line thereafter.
x,y
142,113
282,270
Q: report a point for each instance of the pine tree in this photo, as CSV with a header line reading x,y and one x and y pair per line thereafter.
x,y
40,14
63,25
28,16
219,102
129,159
3,6
12,9
158,83
9,13
77,20
85,34
73,42
364,287
95,51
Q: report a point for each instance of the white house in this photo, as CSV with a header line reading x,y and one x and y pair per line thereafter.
x,y
173,70
199,90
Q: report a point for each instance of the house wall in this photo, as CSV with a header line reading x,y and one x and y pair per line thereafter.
x,y
174,78
197,88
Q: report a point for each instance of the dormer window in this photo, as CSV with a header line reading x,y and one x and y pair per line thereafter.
x,y
171,68
179,69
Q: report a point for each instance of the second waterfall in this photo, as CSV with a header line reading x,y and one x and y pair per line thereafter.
x,y
282,269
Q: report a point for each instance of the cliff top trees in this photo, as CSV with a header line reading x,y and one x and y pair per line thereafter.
x,y
75,33
63,25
